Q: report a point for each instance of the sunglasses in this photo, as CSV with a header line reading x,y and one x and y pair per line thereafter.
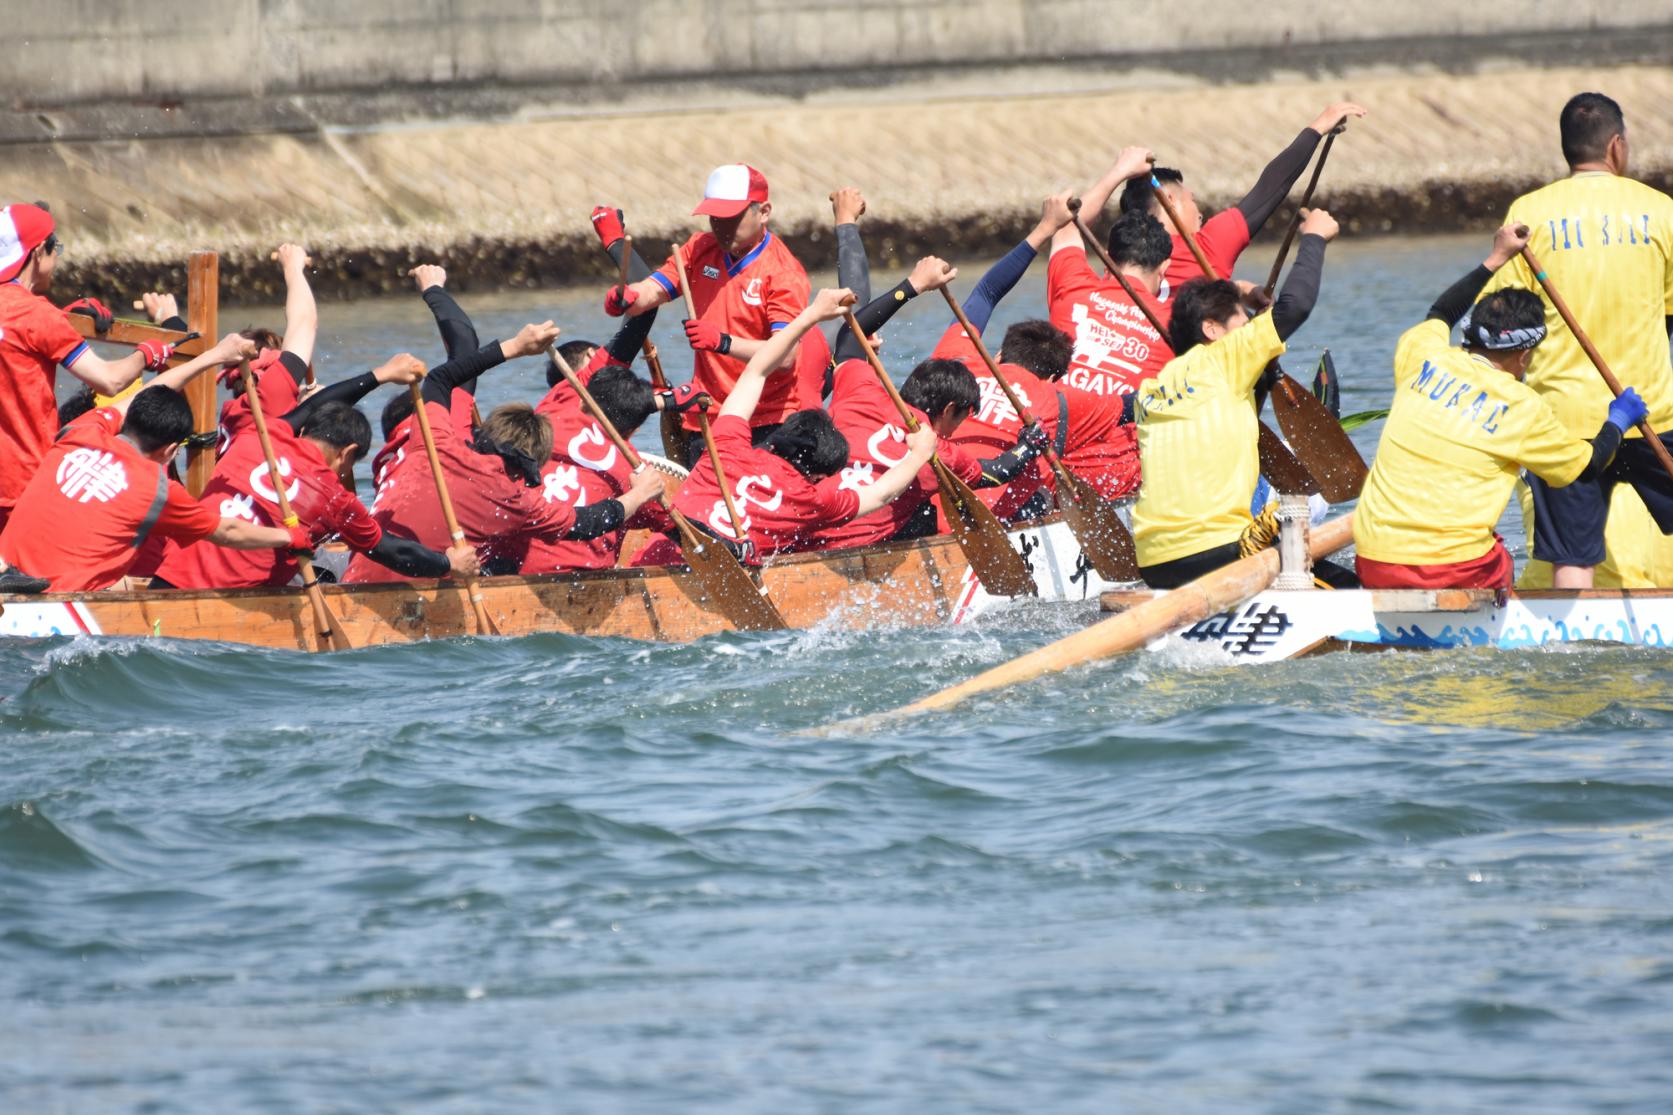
x,y
50,245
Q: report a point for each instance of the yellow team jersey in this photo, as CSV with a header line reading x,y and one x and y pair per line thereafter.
x,y
1198,439
1607,245
1458,432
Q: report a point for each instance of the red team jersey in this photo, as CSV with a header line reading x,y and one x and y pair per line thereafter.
x,y
498,514
35,338
781,509
394,449
1222,239
241,488
995,426
751,297
867,417
1116,348
92,504
276,373
584,469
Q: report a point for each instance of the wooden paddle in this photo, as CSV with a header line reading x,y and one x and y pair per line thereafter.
x,y
977,530
1278,464
1225,588
1104,539
673,433
1594,355
1306,200
1317,439
329,634
729,587
485,624
740,533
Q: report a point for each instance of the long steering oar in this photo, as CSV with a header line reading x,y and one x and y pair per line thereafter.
x,y
1103,537
485,624
730,589
1227,587
977,530
673,434
329,633
1594,355
1319,441
1306,200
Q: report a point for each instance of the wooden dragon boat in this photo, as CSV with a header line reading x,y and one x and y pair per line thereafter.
x,y
1277,625
920,583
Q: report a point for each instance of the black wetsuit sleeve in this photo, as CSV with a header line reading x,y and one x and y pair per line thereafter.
x,y
853,269
636,268
1604,445
409,558
872,317
295,366
1273,186
1301,289
347,391
1000,470
176,323
1456,299
596,519
458,334
629,340
440,383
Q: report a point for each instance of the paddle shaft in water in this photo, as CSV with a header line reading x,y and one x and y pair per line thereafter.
x,y
473,592
1594,355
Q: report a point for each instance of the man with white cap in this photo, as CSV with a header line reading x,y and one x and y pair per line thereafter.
x,y
745,286
35,338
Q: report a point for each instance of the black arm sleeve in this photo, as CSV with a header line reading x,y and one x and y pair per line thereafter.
x,y
1460,296
1604,445
853,269
1301,289
1273,186
349,391
629,341
597,519
176,323
872,317
1000,470
439,384
296,366
458,335
636,268
409,558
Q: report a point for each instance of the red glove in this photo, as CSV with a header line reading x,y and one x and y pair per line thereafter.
x,y
95,309
607,222
705,336
300,539
616,303
156,354
682,398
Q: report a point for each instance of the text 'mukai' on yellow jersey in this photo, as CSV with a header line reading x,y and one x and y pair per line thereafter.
x,y
1199,443
1607,245
1458,432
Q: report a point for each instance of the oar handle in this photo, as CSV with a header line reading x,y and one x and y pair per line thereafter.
x,y
906,415
685,284
740,535
598,414
627,258
1593,354
653,361
1295,221
1115,272
1189,237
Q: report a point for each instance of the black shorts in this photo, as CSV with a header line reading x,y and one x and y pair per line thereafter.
x,y
1568,522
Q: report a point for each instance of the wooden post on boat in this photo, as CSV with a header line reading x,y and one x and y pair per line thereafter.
x,y
203,284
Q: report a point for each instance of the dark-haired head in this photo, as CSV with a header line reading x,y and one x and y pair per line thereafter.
x,y
625,399
1199,303
810,441
1038,346
341,432
158,418
1138,240
397,410
575,354
75,406
262,336
1505,327
1138,196
943,389
1589,125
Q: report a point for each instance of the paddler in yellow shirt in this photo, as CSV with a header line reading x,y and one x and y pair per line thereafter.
x,y
1606,243
1197,429
1460,429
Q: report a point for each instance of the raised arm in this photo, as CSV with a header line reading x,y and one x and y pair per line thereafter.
x,y
1002,276
230,350
931,273
1456,300
1273,186
1129,164
301,315
1301,289
848,205
533,338
775,350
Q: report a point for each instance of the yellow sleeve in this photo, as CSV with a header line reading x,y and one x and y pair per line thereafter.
x,y
1548,450
1667,230
1249,350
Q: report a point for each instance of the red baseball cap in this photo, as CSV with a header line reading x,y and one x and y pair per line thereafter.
x,y
730,190
23,228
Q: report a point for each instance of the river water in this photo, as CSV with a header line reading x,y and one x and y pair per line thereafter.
x,y
590,875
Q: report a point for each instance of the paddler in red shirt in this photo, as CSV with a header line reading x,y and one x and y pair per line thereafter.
x,y
788,488
281,364
315,447
103,489
745,287
35,340
1224,236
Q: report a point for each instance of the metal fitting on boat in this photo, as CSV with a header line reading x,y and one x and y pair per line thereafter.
x,y
1295,565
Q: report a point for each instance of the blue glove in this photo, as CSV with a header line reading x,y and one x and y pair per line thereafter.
x,y
1627,411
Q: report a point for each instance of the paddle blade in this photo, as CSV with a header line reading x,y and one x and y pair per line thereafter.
x,y
981,536
1103,537
1280,467
731,590
673,437
1319,441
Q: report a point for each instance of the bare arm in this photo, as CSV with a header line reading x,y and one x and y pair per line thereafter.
x,y
920,445
232,348
107,377
770,354
237,534
650,294
301,315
